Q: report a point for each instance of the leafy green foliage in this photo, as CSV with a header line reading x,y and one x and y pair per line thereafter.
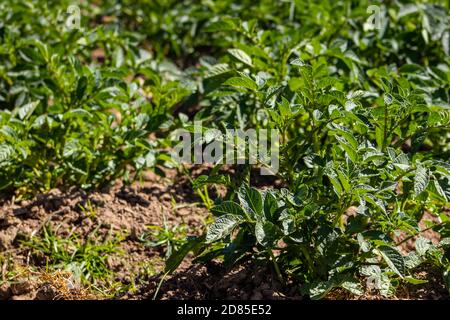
x,y
63,120
363,115
364,142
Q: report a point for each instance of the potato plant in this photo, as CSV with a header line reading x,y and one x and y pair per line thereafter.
x,y
68,120
364,154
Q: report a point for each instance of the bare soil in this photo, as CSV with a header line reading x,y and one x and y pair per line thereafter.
x,y
118,210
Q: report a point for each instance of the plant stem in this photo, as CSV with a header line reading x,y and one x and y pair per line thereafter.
x,y
416,234
383,148
275,264
159,285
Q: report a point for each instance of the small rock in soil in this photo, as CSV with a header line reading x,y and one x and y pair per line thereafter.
x,y
46,292
5,292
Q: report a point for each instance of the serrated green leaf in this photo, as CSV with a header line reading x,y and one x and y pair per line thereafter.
x,y
6,152
251,200
241,56
270,206
421,180
394,259
267,234
412,260
222,227
353,286
228,207
242,82
348,148
422,245
25,111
